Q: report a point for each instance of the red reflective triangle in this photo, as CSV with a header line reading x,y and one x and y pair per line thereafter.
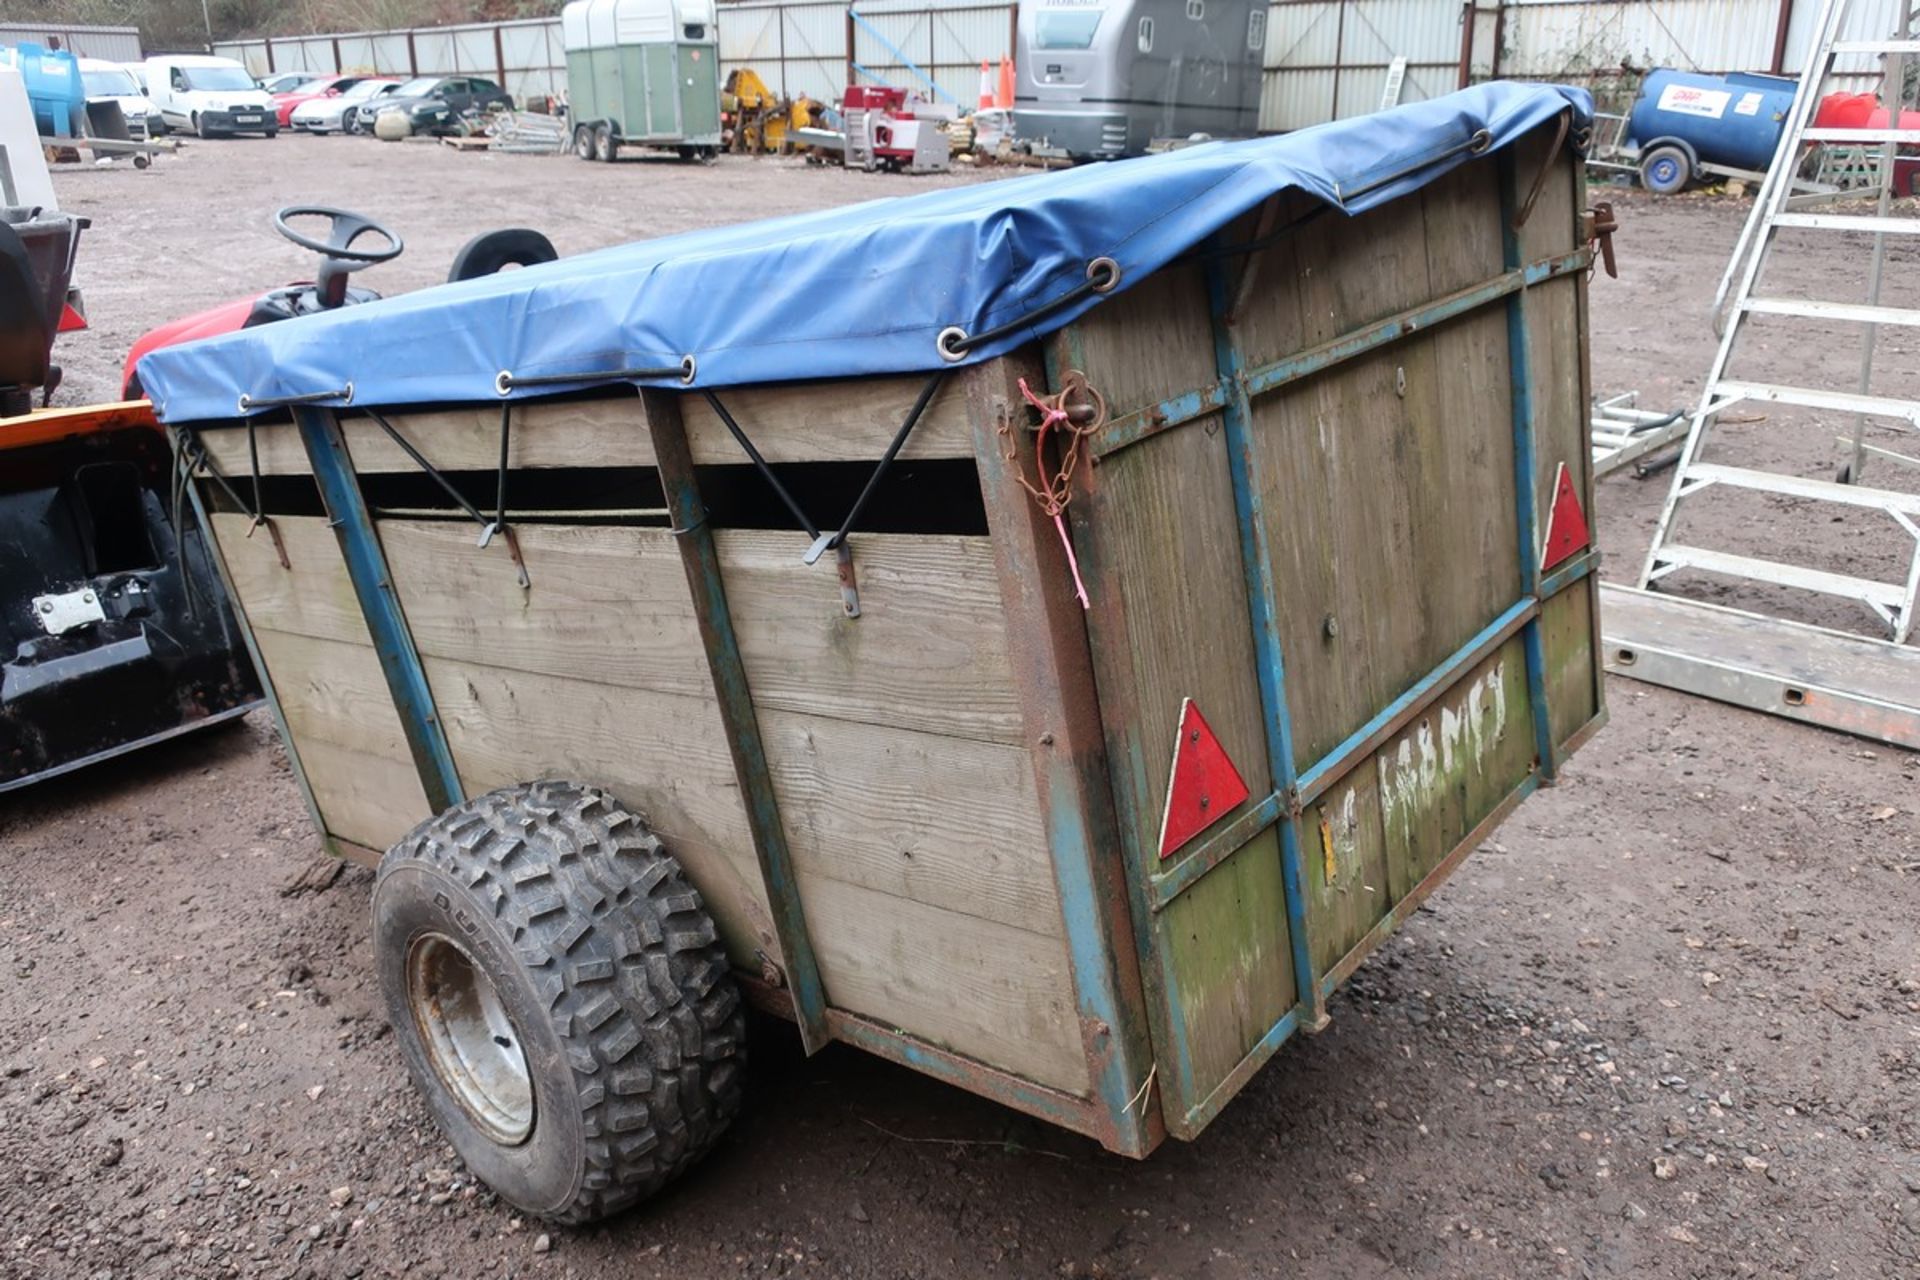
x,y
1205,786
70,319
1566,523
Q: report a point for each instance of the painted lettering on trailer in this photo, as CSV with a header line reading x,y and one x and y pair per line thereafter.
x,y
1691,101
1413,775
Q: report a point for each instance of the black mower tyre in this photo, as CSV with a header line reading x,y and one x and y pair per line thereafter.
x,y
544,925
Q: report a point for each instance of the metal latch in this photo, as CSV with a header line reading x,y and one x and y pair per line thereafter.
x,y
60,614
1597,226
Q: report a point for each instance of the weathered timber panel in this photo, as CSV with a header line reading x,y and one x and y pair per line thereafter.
x,y
597,672
1452,766
544,434
928,652
1389,498
338,709
1232,960
1000,995
608,604
1170,621
1343,847
332,692
828,422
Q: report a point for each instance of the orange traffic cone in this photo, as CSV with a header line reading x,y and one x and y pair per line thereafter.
x,y
986,85
1003,98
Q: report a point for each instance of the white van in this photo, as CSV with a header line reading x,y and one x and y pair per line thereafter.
x,y
110,82
209,96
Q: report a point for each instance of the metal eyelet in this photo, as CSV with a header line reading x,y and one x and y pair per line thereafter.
x,y
1103,274
952,344
246,403
688,368
503,383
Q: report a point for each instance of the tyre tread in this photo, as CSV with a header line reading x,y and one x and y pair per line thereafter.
x,y
621,946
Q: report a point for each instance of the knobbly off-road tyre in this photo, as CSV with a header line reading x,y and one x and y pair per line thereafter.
x,y
545,924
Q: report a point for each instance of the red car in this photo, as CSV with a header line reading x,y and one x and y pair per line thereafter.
x,y
320,87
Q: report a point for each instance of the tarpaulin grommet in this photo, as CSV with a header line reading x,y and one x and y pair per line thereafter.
x,y
503,383
952,344
688,368
1103,274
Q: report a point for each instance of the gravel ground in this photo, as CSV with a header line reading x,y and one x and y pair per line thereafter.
x,y
1666,1024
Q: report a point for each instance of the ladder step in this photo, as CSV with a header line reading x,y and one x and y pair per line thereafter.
x,y
1815,310
1876,46
1852,495
1811,398
1860,135
1885,594
1849,222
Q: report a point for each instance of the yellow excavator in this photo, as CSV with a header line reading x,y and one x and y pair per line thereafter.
x,y
762,123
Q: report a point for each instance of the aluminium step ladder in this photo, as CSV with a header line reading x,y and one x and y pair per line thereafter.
x,y
1751,659
1893,602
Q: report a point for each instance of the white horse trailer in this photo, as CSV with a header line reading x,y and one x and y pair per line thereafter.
x,y
1099,79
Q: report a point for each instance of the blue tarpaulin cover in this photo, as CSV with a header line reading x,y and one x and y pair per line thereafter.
x,y
846,292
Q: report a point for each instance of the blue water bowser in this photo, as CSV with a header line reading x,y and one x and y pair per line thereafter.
x,y
54,88
1686,125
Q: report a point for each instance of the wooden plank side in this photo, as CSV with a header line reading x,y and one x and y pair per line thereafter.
x,y
1163,511
665,756
312,596
607,604
928,652
1451,767
998,994
943,821
1149,343
1566,638
1233,978
545,433
1343,849
1389,504
843,421
341,715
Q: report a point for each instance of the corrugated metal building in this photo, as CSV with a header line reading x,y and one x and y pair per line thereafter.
x,y
1326,59
115,44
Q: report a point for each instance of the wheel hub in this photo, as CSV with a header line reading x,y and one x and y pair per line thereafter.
x,y
473,1045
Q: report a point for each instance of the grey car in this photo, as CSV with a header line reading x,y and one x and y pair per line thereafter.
x,y
433,103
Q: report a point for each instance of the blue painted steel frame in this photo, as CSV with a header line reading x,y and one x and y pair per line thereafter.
x,y
352,522
1263,603
701,560
1526,495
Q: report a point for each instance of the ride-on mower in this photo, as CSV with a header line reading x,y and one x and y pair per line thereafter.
x,y
114,630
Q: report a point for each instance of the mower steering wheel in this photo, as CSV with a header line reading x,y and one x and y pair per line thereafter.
x,y
343,228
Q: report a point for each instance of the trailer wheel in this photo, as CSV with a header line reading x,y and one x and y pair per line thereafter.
x,y
560,996
604,146
583,141
1665,171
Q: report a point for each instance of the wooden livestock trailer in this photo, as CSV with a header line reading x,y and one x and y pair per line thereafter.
x,y
1321,473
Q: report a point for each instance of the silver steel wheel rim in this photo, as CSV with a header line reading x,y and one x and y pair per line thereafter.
x,y
472,1044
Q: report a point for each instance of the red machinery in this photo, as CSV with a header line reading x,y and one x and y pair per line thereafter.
x,y
1863,111
896,138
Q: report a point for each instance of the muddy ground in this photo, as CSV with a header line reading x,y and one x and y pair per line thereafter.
x,y
1667,1024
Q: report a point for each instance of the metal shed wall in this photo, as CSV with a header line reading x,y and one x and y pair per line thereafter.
x,y
115,44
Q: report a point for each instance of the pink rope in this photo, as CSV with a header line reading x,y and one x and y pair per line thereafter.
x,y
1053,495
